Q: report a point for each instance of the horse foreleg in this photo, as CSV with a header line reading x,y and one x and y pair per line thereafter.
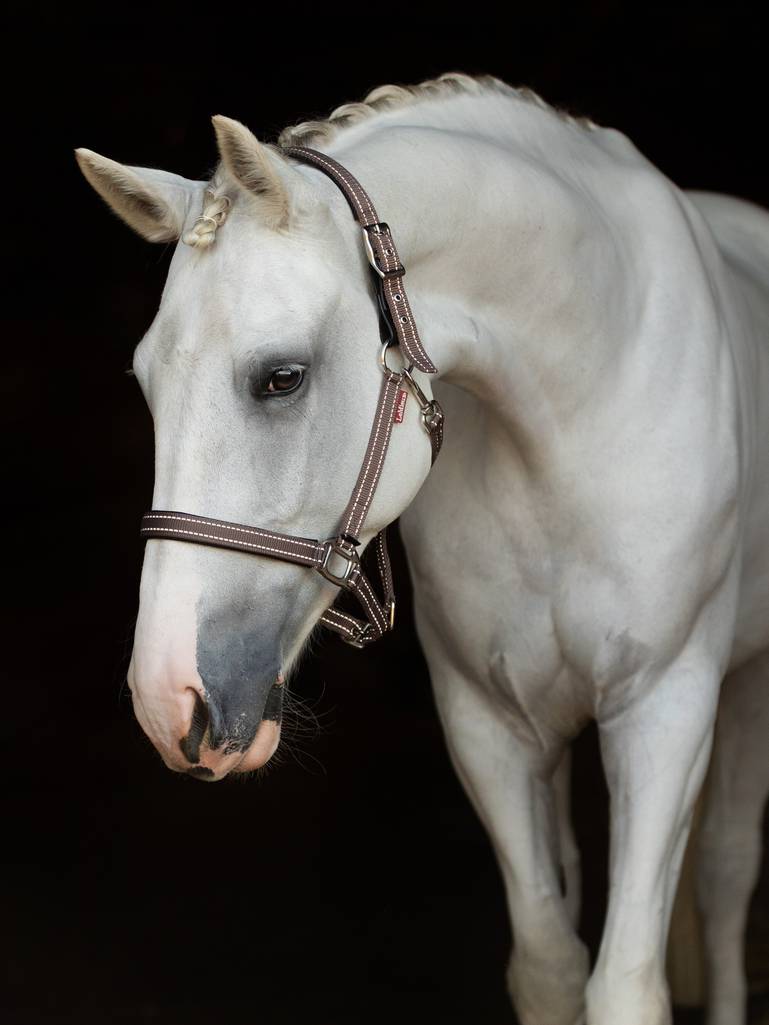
x,y
655,749
508,782
729,853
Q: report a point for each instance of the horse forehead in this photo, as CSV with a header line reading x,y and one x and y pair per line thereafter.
x,y
261,290
247,253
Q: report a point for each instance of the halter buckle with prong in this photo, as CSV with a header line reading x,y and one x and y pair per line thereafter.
x,y
379,229
337,549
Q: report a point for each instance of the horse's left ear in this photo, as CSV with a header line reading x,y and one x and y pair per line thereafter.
x,y
257,168
154,203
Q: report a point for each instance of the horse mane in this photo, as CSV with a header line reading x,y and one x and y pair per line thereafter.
x,y
396,97
383,98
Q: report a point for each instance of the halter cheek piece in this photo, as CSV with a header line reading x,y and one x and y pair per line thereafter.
x,y
337,558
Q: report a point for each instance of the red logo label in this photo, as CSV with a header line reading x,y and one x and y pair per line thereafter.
x,y
400,407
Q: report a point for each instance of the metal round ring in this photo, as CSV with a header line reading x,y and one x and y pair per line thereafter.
x,y
383,362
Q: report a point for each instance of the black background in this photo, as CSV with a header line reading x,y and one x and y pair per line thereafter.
x,y
352,883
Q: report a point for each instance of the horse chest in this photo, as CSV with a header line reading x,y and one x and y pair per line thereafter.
x,y
484,610
485,603
548,606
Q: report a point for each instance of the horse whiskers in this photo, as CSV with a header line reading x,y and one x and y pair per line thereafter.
x,y
298,753
301,716
299,722
258,774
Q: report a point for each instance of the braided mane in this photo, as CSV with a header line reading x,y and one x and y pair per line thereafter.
x,y
383,98
395,97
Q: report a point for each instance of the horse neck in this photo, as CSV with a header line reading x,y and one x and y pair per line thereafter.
x,y
517,265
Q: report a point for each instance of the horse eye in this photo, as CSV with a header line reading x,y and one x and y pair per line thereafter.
x,y
284,380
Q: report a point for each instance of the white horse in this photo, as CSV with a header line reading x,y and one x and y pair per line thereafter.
x,y
592,543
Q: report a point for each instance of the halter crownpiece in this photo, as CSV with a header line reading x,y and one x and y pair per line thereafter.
x,y
337,558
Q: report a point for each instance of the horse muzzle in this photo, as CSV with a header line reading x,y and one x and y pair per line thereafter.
x,y
213,746
204,729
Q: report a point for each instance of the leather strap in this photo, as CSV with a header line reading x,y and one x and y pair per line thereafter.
x,y
339,563
337,558
381,250
203,530
373,461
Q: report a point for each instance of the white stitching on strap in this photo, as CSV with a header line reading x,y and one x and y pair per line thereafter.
x,y
364,481
329,618
383,569
215,537
384,240
343,615
351,184
359,195
412,336
363,590
231,526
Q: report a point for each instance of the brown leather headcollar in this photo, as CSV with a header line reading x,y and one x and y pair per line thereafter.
x,y
337,558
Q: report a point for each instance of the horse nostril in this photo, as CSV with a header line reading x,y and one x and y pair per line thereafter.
x,y
190,745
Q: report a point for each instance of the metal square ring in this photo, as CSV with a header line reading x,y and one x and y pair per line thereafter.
x,y
334,548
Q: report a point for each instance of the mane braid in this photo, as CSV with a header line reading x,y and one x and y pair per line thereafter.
x,y
396,97
216,203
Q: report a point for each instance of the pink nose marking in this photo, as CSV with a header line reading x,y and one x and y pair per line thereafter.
x,y
211,764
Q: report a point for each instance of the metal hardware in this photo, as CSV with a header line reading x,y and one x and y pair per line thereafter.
x,y
420,396
387,371
432,415
429,410
396,272
361,638
334,548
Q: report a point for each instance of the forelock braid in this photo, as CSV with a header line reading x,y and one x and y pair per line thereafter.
x,y
202,234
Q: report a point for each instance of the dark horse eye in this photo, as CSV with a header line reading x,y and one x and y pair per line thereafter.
x,y
284,380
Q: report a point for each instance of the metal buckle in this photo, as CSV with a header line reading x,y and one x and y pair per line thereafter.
x,y
361,638
332,548
396,272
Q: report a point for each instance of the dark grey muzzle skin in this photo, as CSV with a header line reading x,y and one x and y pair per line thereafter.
x,y
239,669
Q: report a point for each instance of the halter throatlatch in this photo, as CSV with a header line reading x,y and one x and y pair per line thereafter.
x,y
337,558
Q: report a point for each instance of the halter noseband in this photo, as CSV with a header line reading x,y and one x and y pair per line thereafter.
x,y
337,559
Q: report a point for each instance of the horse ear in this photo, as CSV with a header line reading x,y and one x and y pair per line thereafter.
x,y
154,203
255,167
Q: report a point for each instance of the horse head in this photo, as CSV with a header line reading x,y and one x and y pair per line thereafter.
x,y
260,372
